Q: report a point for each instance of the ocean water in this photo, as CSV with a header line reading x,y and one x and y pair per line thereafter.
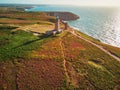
x,y
99,22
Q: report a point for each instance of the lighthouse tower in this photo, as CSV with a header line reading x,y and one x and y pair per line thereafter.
x,y
57,24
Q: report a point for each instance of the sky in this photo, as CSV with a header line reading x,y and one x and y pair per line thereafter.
x,y
111,3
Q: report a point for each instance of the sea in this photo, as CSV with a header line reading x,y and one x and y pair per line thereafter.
x,y
102,23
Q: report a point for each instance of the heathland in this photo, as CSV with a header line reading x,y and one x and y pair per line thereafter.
x,y
71,60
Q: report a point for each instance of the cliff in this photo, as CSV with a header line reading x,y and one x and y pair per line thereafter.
x,y
67,16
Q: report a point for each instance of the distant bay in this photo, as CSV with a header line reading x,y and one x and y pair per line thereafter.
x,y
102,23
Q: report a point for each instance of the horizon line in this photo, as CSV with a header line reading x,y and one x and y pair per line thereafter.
x,y
56,4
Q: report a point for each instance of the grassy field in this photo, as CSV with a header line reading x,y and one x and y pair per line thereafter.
x,y
17,51
39,59
22,17
96,69
17,44
60,62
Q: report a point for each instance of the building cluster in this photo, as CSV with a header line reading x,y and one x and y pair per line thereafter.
x,y
58,28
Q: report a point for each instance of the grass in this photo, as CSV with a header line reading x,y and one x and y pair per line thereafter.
x,y
17,44
87,64
18,50
112,49
22,18
96,67
40,28
49,50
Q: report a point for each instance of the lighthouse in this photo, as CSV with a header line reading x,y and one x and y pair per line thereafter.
x,y
57,24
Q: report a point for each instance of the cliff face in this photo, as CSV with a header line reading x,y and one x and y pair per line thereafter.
x,y
67,16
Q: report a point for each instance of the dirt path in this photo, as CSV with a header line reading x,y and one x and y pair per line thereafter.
x,y
98,46
70,72
64,62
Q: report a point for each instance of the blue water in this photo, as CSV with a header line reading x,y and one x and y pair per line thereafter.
x,y
100,23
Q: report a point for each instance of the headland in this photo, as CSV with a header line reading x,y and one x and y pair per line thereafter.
x,y
67,60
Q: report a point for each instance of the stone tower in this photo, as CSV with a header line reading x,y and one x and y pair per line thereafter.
x,y
57,23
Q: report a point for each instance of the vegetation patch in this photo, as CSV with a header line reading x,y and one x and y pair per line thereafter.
x,y
92,64
95,65
112,49
49,50
18,44
42,74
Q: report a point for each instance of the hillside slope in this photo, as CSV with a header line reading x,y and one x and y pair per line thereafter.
x,y
64,61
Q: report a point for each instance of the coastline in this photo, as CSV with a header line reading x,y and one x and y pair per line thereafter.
x,y
84,27
31,58
92,22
